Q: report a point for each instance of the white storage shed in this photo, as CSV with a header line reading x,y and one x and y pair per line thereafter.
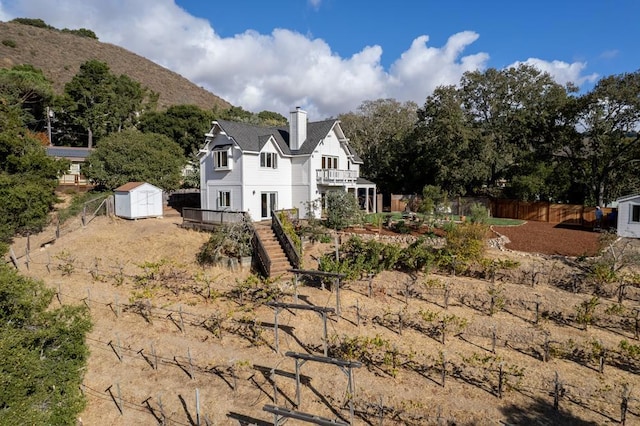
x,y
136,200
629,216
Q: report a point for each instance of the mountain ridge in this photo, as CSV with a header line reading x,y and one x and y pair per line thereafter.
x,y
59,55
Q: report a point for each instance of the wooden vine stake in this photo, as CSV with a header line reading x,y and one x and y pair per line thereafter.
x,y
545,355
447,293
624,404
444,366
557,389
494,337
500,380
370,285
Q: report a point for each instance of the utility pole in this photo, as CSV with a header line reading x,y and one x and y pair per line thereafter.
x,y
49,116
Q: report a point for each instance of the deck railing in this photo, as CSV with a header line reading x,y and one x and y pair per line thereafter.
x,y
211,217
335,176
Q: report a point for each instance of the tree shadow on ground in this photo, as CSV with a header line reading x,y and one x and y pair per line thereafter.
x,y
541,412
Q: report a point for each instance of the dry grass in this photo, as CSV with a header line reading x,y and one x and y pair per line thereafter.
x,y
130,325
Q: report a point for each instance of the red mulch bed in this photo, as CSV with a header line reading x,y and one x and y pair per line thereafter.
x,y
532,237
550,238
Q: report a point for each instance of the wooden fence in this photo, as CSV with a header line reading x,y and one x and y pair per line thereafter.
x,y
543,211
540,211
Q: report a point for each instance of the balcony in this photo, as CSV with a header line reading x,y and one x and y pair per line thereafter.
x,y
335,176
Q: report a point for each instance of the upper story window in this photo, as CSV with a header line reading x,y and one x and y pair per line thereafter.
x,y
221,158
329,162
269,160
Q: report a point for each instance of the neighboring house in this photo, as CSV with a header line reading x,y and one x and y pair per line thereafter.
x,y
137,200
258,169
77,156
629,216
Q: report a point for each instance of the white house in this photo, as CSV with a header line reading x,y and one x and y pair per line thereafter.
x,y
136,200
629,216
258,169
77,156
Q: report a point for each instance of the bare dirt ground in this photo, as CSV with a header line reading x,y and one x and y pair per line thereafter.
x,y
174,343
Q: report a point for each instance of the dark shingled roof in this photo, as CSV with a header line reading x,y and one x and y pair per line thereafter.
x,y
251,137
68,152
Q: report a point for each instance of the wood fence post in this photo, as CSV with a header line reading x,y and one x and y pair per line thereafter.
x,y
13,258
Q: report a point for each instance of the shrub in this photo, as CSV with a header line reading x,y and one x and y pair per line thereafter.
x,y
478,214
290,230
342,210
82,32
42,354
229,240
466,242
9,43
34,22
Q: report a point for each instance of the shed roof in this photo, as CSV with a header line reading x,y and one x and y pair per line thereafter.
x,y
627,198
127,187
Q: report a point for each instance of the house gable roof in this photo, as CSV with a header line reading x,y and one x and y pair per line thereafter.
x,y
68,152
252,138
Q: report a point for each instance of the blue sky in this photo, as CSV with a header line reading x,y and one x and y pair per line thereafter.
x,y
328,56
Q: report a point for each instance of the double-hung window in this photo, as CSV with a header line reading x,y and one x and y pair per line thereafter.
x,y
269,160
221,158
224,199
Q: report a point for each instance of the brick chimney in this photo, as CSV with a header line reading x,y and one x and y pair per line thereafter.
x,y
297,128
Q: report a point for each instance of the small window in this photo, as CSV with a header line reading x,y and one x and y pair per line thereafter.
x,y
221,158
329,162
635,213
224,199
269,160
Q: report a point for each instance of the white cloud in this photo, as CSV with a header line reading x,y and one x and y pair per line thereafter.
x,y
315,4
4,16
421,69
274,71
562,72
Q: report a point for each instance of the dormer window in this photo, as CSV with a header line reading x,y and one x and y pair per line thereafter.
x,y
269,160
221,156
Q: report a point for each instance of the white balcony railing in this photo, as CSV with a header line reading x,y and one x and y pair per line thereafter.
x,y
335,176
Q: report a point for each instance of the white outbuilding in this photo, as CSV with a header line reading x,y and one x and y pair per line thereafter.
x,y
629,216
136,200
